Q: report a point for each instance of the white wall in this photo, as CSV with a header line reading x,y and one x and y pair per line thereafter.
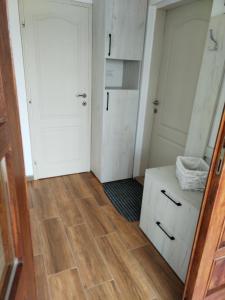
x,y
14,28
216,122
148,87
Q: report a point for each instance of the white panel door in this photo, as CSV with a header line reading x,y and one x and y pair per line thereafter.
x,y
184,41
119,131
57,45
125,28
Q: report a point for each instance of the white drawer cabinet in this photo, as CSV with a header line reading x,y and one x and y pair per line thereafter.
x,y
169,217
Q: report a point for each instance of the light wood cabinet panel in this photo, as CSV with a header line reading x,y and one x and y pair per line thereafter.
x,y
125,28
218,7
119,129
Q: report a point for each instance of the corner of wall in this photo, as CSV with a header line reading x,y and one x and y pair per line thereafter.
x,y
17,55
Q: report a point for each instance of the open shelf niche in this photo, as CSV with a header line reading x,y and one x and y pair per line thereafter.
x,y
122,74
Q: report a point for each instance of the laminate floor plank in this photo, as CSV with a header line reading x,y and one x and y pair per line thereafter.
x,y
66,286
107,291
90,263
41,278
96,189
130,234
78,186
57,251
67,207
31,195
96,218
46,203
127,273
35,233
164,279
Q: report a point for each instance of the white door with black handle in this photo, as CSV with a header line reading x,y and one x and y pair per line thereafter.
x,y
57,48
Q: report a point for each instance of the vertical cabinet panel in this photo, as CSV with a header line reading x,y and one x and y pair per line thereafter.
x,y
117,55
125,28
119,130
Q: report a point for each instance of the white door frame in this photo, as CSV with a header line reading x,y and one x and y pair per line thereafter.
x,y
150,72
81,3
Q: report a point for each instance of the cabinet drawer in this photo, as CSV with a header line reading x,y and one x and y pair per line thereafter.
x,y
169,216
180,219
177,215
170,246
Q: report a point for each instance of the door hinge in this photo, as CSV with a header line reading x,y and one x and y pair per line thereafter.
x,y
23,24
220,159
35,163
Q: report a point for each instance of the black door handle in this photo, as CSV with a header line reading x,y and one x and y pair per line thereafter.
x,y
110,43
107,105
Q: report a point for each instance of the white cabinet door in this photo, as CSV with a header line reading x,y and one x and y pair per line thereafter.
x,y
119,130
125,28
218,8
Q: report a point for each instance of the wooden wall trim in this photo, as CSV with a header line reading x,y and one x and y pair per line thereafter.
x,y
26,285
209,227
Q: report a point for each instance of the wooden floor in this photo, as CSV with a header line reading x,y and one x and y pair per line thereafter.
x,y
83,249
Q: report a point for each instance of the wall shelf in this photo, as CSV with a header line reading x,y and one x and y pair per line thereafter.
x,y
122,74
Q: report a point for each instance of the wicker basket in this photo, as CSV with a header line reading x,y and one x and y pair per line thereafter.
x,y
191,173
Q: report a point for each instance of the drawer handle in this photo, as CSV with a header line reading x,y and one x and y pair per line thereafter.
x,y
175,202
172,238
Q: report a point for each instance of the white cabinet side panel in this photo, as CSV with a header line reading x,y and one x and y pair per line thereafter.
x,y
98,82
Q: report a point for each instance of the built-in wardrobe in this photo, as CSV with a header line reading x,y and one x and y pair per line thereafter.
x,y
118,42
